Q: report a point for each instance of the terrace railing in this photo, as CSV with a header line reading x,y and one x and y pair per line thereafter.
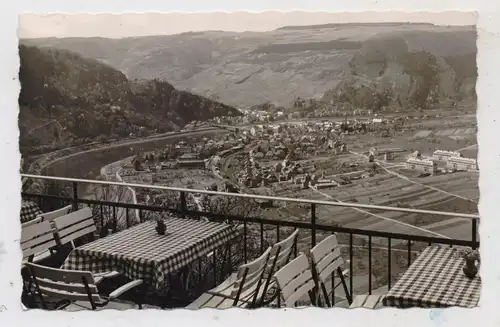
x,y
379,255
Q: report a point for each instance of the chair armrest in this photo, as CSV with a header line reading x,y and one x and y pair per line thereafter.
x,y
345,272
119,291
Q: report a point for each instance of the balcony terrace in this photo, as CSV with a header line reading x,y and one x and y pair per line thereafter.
x,y
375,259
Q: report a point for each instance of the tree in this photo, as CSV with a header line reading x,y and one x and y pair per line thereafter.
x,y
137,162
108,217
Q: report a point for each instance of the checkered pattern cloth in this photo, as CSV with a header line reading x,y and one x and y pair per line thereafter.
x,y
435,280
140,253
29,211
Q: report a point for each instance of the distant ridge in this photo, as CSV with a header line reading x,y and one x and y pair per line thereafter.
x,y
244,69
336,25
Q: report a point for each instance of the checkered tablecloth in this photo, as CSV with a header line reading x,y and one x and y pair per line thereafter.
x,y
29,211
140,253
435,279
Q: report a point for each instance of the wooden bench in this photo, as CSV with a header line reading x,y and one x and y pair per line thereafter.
x,y
367,301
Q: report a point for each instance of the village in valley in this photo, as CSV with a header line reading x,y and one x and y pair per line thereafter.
x,y
408,161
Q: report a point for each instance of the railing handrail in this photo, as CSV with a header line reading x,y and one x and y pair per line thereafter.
x,y
260,197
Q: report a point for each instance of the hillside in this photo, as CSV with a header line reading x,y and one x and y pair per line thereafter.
x,y
67,100
250,68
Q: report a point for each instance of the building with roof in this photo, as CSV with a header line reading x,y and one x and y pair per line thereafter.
x,y
443,155
192,164
459,163
191,160
422,165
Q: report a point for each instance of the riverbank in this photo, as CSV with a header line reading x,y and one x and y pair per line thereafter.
x,y
111,172
91,161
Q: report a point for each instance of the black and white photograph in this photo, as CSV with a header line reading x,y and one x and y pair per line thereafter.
x,y
249,160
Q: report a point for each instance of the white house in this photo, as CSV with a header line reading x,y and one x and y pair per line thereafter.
x,y
443,155
459,163
425,166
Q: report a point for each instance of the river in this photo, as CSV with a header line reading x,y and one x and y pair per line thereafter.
x,y
88,164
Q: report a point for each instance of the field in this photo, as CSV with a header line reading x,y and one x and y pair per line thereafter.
x,y
392,185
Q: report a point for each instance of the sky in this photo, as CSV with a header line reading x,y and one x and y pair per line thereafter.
x,y
33,25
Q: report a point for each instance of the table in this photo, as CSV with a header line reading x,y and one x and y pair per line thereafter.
x,y
140,253
435,279
29,211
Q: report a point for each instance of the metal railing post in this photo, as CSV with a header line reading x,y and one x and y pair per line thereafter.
x,y
75,196
313,224
183,204
474,233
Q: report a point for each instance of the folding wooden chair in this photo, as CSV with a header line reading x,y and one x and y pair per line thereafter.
x,y
75,225
37,239
73,290
239,290
280,255
326,259
47,216
295,281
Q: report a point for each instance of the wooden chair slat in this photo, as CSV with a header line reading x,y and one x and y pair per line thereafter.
x,y
367,301
328,258
73,218
250,283
69,287
80,233
372,301
300,293
35,230
295,280
61,294
252,273
302,277
38,249
42,239
74,225
281,260
51,215
294,268
36,238
358,301
283,248
326,273
32,222
324,247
